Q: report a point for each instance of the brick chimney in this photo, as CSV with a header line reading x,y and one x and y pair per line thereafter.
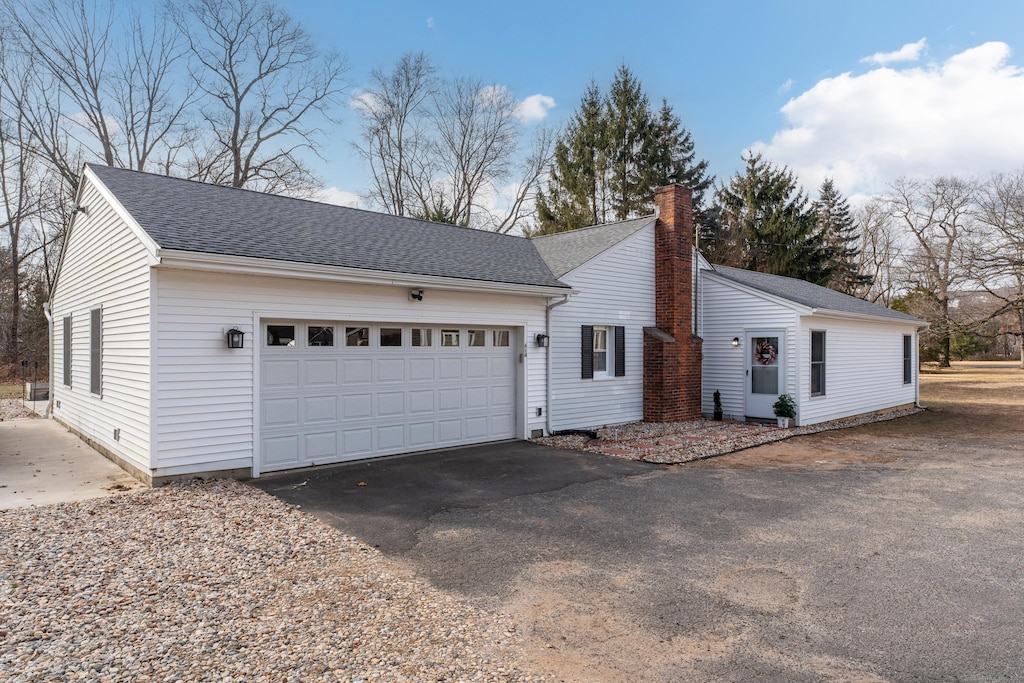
x,y
672,354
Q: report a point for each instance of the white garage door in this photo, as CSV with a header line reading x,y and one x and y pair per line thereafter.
x,y
334,391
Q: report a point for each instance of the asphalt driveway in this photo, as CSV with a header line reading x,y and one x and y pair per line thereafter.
x,y
892,569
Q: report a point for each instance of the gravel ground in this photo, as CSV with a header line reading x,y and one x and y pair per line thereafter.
x,y
678,442
217,581
11,409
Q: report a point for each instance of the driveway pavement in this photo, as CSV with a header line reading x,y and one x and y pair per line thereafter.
x,y
41,463
900,569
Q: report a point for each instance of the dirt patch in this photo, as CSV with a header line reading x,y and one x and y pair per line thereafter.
x,y
973,413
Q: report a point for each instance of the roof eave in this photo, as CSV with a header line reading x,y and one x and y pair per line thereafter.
x,y
245,265
828,313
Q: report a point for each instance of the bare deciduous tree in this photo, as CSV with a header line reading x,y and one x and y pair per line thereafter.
x,y
264,83
938,214
880,247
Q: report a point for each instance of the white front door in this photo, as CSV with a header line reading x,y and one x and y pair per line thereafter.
x,y
764,372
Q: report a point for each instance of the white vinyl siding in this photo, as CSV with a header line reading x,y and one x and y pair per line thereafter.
x,y
730,311
615,289
105,265
865,369
205,392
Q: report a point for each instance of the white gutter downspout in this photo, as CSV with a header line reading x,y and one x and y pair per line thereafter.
x,y
547,360
49,330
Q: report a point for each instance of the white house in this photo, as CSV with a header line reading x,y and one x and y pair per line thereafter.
x,y
837,355
200,329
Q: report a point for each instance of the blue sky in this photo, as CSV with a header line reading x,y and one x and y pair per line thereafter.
x,y
944,93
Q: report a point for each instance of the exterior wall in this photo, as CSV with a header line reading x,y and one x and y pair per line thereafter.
x,y
205,393
863,369
729,312
616,288
105,264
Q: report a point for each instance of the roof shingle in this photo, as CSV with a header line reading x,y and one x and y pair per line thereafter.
x,y
192,216
566,251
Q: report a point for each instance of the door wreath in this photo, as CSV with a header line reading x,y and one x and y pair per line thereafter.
x,y
765,353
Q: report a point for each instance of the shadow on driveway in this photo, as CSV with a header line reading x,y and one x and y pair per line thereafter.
x,y
387,501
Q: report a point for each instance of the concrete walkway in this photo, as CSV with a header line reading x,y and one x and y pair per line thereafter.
x,y
43,463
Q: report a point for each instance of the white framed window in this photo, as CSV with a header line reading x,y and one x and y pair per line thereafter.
x,y
817,363
908,359
320,335
96,351
603,351
500,338
67,350
476,337
449,337
390,336
600,351
280,335
357,336
422,336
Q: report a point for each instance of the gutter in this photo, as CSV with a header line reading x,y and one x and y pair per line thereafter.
x,y
49,329
547,358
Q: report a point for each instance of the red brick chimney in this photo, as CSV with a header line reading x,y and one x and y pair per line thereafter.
x,y
672,354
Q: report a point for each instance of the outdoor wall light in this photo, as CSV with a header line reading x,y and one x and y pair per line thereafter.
x,y
735,341
542,340
416,294
236,338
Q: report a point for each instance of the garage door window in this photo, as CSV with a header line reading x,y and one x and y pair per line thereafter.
x,y
280,335
357,336
449,337
477,337
422,336
320,335
500,338
391,336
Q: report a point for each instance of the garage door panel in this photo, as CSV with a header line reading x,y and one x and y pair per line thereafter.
x,y
356,406
281,374
279,412
390,403
356,371
330,404
321,372
321,409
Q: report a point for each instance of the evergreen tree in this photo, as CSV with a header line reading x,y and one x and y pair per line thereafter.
x,y
840,234
767,224
612,156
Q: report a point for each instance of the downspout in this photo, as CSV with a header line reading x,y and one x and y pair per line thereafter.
x,y
547,359
49,329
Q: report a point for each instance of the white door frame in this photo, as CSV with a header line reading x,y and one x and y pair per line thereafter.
x,y
760,405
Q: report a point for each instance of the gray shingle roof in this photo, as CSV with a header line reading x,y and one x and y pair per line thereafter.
x,y
810,295
565,251
197,217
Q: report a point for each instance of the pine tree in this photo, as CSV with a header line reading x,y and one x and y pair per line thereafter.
x,y
840,234
767,224
612,156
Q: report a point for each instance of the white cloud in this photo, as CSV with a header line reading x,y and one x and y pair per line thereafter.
x,y
958,117
430,22
910,52
534,108
364,103
787,86
332,195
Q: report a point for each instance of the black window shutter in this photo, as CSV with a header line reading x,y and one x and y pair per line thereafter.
x,y
620,351
587,351
95,350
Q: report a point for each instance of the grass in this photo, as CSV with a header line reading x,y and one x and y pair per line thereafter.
x,y
11,391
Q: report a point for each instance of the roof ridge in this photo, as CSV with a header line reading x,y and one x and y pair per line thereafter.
x,y
562,233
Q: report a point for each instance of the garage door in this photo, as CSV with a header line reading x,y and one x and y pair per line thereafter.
x,y
335,391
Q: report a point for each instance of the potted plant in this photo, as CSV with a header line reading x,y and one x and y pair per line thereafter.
x,y
718,406
785,409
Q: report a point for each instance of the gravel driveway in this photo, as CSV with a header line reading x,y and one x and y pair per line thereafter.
x,y
221,582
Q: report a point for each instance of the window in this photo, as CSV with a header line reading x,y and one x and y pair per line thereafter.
x,y
500,338
817,363
320,335
477,337
391,336
96,350
908,359
280,335
449,337
603,351
422,336
357,336
67,350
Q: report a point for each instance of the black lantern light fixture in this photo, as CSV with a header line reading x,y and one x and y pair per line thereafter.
x,y
542,340
236,338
